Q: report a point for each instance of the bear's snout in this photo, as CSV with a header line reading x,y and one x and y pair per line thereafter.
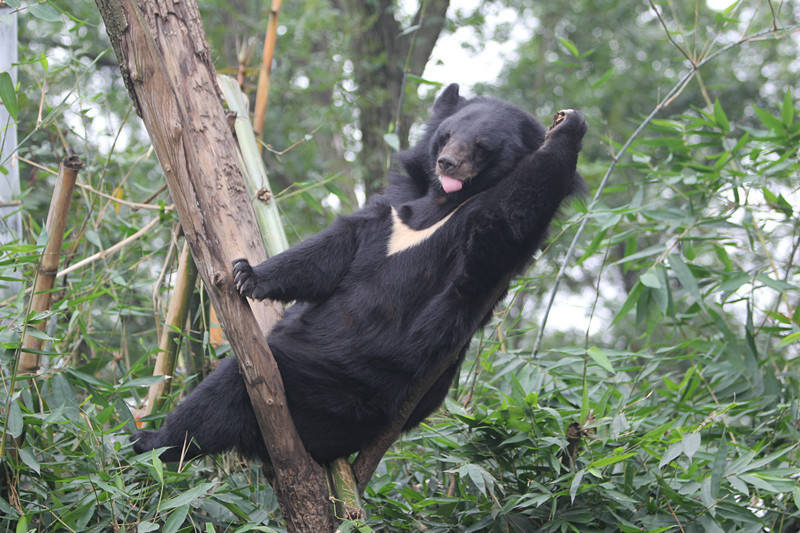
x,y
447,164
455,161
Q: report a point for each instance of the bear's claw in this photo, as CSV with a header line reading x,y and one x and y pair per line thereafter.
x,y
242,277
559,117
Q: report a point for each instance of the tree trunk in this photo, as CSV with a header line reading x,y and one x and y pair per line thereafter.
x,y
167,69
381,54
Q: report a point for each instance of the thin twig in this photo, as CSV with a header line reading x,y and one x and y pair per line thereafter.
x,y
152,196
666,30
667,98
134,205
108,251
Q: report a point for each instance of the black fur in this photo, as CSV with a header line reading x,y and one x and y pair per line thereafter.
x,y
367,324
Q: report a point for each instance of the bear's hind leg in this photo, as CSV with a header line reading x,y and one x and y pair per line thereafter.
x,y
217,416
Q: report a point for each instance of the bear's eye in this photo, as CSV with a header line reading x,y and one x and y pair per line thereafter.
x,y
441,141
481,145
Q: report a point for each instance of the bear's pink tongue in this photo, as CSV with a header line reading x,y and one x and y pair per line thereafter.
x,y
450,184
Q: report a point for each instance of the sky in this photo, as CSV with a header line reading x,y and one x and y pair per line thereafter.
x,y
487,61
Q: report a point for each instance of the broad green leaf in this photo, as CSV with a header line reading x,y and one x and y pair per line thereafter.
x,y
146,527
8,95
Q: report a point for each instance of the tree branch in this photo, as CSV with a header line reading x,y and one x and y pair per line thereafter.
x,y
430,26
369,457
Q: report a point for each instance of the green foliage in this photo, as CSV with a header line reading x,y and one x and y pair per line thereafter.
x,y
666,396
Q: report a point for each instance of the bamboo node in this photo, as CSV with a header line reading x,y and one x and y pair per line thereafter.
x,y
264,194
73,162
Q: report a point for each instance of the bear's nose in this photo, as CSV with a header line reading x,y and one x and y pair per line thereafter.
x,y
446,164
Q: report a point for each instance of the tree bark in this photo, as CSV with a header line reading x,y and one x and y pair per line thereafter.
x,y
166,66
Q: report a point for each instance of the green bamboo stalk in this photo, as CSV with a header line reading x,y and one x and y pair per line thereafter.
x,y
171,333
46,275
272,233
255,174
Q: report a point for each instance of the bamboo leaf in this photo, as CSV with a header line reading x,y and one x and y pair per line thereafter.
x,y
29,459
8,95
691,443
575,485
787,110
685,277
599,356
392,140
569,45
176,519
610,460
14,424
768,120
630,303
187,497
720,118
604,78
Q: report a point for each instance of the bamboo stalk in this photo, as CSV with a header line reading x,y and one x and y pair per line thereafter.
x,y
171,333
262,94
345,489
255,174
46,276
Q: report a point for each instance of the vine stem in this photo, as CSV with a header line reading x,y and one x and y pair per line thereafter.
x,y
676,89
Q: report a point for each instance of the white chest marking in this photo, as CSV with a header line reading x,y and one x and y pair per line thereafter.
x,y
404,237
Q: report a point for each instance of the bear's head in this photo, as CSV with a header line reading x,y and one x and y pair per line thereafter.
x,y
470,145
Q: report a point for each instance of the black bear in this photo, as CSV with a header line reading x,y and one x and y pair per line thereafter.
x,y
383,294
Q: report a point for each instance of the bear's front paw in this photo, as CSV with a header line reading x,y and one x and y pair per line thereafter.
x,y
144,441
244,278
569,121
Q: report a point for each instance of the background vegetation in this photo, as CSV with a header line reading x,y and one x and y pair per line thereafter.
x,y
665,393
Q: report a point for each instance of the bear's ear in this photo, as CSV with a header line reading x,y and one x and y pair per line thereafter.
x,y
447,101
